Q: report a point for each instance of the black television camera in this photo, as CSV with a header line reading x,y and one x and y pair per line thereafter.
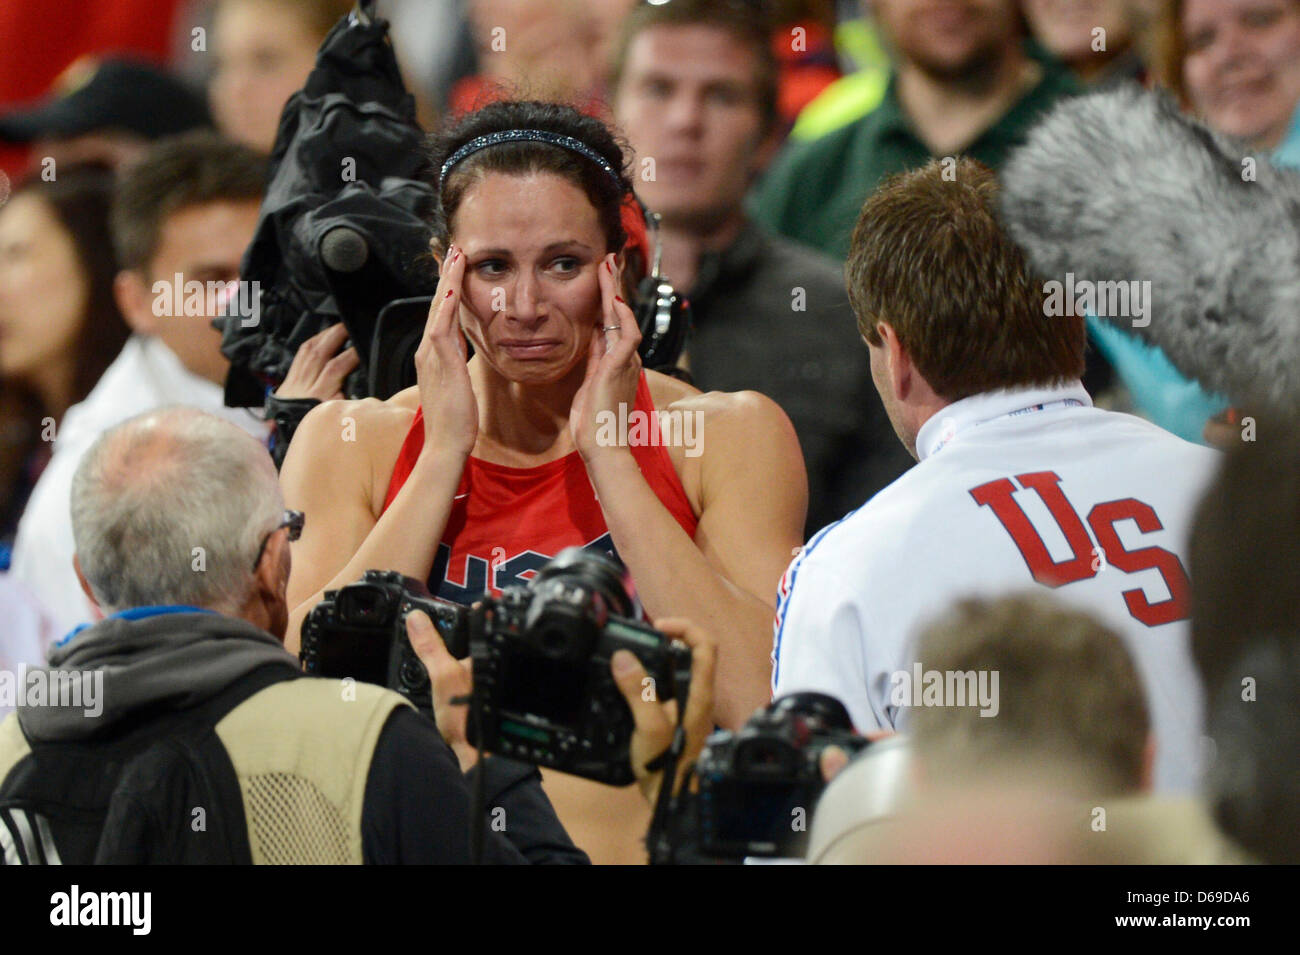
x,y
759,785
543,690
359,631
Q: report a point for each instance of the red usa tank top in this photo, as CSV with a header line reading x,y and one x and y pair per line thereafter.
x,y
507,522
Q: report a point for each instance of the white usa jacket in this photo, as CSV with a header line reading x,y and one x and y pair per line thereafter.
x,y
1011,487
145,375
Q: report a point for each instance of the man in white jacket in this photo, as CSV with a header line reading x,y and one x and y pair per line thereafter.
x,y
182,218
1019,481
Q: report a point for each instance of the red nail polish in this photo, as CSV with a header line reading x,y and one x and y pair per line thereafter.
x,y
619,298
449,291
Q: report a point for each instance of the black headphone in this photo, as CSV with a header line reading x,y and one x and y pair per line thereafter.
x,y
662,313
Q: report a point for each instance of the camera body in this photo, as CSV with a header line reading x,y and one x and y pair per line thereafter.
x,y
543,689
359,631
541,668
759,785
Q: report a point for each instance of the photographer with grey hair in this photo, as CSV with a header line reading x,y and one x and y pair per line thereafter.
x,y
183,541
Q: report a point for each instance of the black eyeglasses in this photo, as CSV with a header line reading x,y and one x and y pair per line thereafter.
x,y
292,520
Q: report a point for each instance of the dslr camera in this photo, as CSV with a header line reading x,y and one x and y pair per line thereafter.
x,y
543,690
542,681
359,631
759,785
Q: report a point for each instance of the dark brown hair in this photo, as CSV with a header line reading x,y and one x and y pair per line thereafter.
x,y
79,197
177,172
749,22
929,258
605,193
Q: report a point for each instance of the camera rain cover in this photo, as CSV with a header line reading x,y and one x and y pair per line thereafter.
x,y
348,153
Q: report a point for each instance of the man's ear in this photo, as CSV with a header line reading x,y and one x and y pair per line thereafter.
x,y
135,300
272,580
85,584
896,360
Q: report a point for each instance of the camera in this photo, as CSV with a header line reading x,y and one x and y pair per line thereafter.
x,y
359,631
541,668
758,786
543,690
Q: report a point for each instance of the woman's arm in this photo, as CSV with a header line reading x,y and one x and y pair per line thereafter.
x,y
331,480
331,472
753,501
755,495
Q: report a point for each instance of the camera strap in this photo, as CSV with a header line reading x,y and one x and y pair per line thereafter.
x,y
659,839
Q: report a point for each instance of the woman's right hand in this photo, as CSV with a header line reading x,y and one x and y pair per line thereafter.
x,y
446,393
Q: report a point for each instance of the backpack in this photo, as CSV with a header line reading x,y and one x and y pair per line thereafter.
x,y
161,790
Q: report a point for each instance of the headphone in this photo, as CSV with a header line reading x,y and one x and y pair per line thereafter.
x,y
662,313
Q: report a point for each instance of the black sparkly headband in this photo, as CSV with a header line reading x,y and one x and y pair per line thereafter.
x,y
528,136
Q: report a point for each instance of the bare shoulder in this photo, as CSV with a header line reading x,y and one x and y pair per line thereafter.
x,y
740,408
743,415
352,441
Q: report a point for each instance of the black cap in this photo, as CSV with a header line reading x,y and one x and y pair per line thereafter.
x,y
94,94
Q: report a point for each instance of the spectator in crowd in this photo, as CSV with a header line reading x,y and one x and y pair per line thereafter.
x,y
694,85
369,779
535,49
964,81
1094,38
264,50
106,111
59,325
1068,697
1246,639
180,222
1020,479
1065,736
1236,63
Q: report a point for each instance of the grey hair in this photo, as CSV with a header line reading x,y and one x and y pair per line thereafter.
x,y
170,507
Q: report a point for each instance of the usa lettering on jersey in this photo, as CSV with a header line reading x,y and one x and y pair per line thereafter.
x,y
1087,560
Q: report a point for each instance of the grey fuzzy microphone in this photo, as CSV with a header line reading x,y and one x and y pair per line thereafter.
x,y
1121,187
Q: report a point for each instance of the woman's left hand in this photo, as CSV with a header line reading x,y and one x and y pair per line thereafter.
x,y
613,369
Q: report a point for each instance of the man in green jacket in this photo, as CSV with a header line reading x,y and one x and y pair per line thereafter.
x,y
965,81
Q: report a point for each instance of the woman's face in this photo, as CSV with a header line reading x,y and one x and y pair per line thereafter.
x,y
43,289
1242,65
264,51
531,299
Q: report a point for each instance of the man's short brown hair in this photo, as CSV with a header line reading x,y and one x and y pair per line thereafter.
x,y
930,258
1069,695
179,171
749,22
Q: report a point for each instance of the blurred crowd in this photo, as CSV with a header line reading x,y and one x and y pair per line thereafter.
x,y
134,142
